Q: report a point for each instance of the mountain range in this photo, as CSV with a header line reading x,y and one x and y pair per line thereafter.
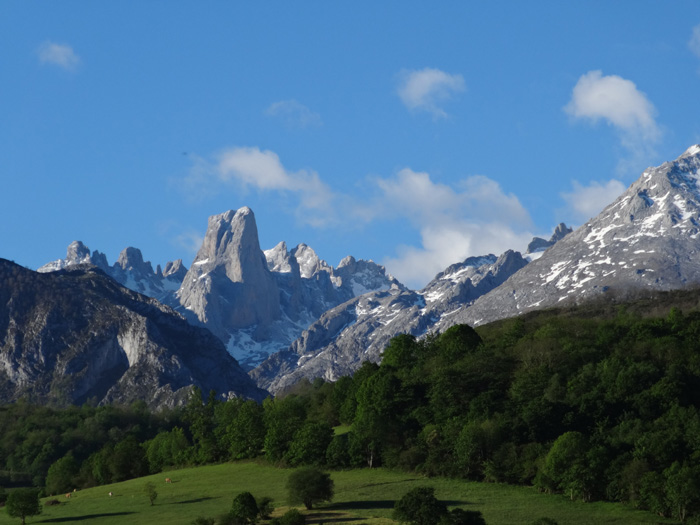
x,y
287,315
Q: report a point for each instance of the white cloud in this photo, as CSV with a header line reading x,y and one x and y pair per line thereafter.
x,y
59,55
294,114
475,219
262,170
618,102
427,88
615,100
189,240
694,42
585,202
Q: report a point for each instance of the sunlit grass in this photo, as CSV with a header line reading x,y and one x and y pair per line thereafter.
x,y
361,496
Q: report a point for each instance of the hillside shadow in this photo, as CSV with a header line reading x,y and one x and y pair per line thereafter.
x,y
387,483
383,504
196,500
324,516
366,504
87,517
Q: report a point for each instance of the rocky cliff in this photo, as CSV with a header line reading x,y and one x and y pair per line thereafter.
x,y
76,336
647,239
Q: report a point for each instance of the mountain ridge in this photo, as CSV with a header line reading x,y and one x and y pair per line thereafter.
x,y
76,335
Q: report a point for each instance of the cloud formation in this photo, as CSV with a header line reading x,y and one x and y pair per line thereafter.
x,y
585,202
618,102
694,42
294,114
427,89
60,55
474,219
262,170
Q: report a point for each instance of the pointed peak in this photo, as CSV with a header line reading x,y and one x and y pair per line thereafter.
x,y
692,151
347,261
561,231
77,252
130,256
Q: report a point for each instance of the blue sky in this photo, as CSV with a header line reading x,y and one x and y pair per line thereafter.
x,y
411,133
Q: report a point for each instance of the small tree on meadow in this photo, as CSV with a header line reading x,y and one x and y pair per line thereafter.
x,y
244,509
22,503
150,490
308,486
419,506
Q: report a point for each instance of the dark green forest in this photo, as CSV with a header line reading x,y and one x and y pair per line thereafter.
x,y
597,403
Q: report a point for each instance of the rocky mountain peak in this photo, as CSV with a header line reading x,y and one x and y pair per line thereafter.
x,y
692,151
229,285
281,261
561,231
309,262
175,269
231,241
77,253
132,259
646,239
347,261
538,244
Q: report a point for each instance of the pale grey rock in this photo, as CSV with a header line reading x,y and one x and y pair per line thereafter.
x,y
229,286
647,239
130,270
359,329
76,336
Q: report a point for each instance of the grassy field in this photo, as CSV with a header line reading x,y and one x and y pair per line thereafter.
x,y
362,496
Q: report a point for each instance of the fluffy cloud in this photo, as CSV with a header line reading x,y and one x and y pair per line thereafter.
x,y
189,240
618,102
59,55
426,89
294,114
262,170
614,99
694,43
585,202
475,218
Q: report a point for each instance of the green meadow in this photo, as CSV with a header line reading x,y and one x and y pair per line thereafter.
x,y
361,496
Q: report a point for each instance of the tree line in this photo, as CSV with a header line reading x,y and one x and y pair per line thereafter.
x,y
597,407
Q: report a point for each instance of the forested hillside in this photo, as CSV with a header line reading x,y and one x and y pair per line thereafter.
x,y
599,403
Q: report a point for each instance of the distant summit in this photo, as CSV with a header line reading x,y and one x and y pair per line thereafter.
x,y
538,244
130,270
257,302
648,239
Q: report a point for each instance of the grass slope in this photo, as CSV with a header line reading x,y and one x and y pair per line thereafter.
x,y
362,496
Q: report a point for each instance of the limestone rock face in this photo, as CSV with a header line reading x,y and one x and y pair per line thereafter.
x,y
647,239
360,328
130,270
229,285
76,335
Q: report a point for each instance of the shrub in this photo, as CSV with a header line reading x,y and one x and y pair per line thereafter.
x,y
308,486
419,507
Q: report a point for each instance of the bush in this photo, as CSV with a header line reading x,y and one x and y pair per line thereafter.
x,y
291,517
244,508
419,507
265,507
308,486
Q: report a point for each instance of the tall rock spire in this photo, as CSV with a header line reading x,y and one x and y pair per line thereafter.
x,y
229,285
